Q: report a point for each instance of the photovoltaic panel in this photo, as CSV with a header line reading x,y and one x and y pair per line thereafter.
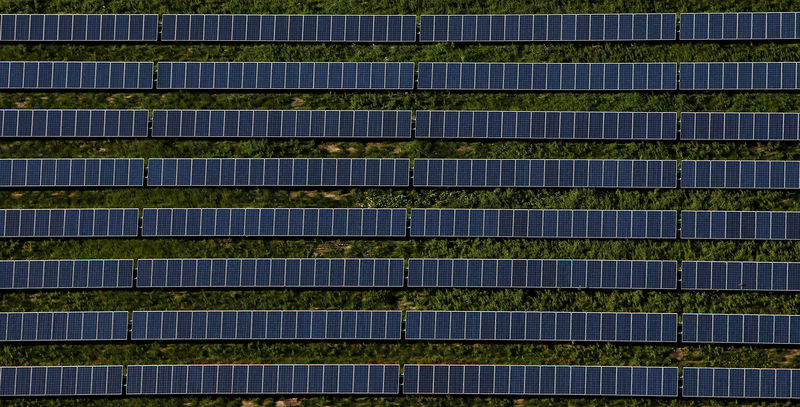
x,y
76,75
69,222
547,27
541,326
740,126
741,328
283,123
739,75
718,382
355,172
547,223
435,172
535,380
286,75
740,26
759,225
71,172
78,27
524,273
289,28
354,222
50,381
547,76
73,123
263,379
318,273
266,325
740,174
740,276
65,274
546,125
63,326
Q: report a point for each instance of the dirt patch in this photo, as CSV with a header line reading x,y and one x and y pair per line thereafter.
x,y
288,402
17,194
331,148
397,150
466,148
332,195
22,103
249,403
351,149
678,354
297,102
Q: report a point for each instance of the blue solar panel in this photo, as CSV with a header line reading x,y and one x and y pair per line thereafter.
x,y
285,75
740,126
546,77
739,75
535,380
354,222
78,27
283,123
263,273
71,172
65,274
76,75
523,273
69,222
63,326
289,28
741,328
740,26
73,123
717,382
546,125
547,27
334,172
740,276
545,173
263,379
547,223
742,225
740,174
50,381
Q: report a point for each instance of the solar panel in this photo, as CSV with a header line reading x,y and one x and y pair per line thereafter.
x,y
436,172
69,222
546,125
71,172
266,325
541,326
547,223
740,126
541,380
283,123
73,123
354,222
28,381
64,274
289,28
741,328
739,75
286,75
318,273
718,382
78,27
506,273
76,75
355,172
63,326
740,276
740,26
748,225
547,27
740,174
544,76
263,379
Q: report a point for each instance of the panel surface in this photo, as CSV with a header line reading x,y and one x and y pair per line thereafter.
x,y
51,381
65,274
740,26
69,222
718,382
63,326
73,123
78,27
740,225
740,126
739,75
75,75
740,174
71,172
756,329
740,276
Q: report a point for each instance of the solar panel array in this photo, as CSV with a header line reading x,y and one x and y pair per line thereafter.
x,y
76,75
285,75
758,225
740,26
27,381
72,172
738,275
315,272
739,75
263,379
65,274
524,273
541,380
63,326
543,76
740,174
721,382
739,126
740,328
73,123
78,27
69,222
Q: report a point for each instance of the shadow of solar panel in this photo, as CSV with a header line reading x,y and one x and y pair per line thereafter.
x,y
740,174
290,172
65,274
51,381
739,26
71,172
78,27
73,123
69,222
507,273
739,126
76,75
754,329
717,382
262,273
617,381
263,379
739,75
740,276
749,225
63,326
